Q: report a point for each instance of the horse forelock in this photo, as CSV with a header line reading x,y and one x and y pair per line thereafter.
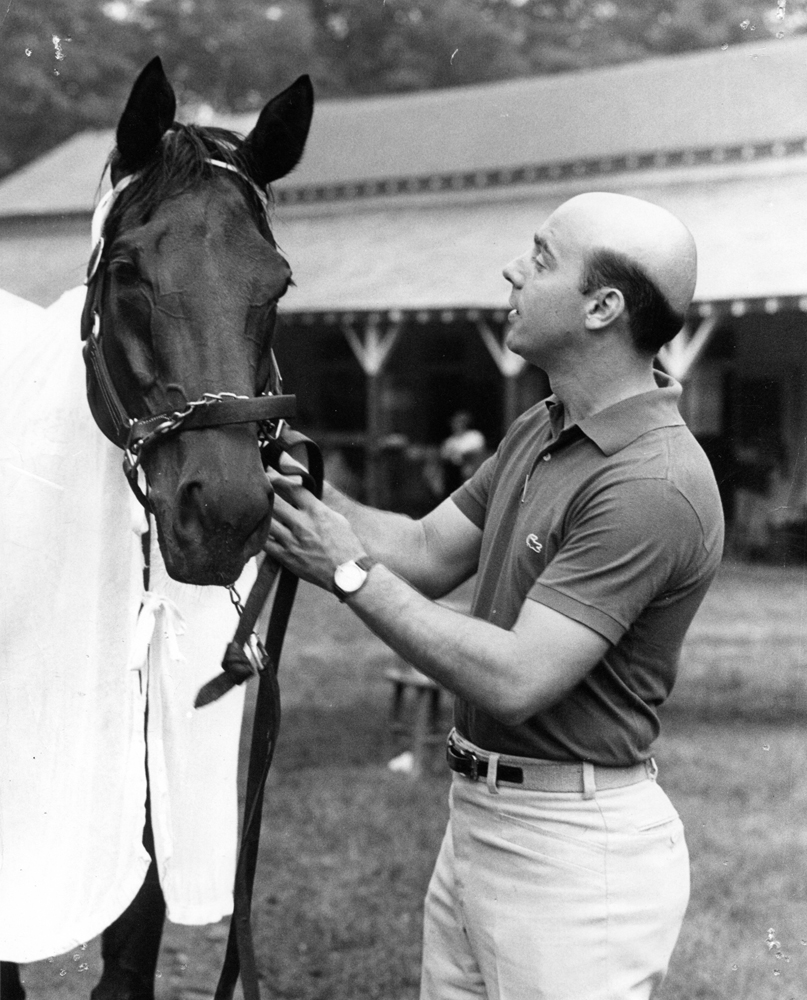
x,y
180,164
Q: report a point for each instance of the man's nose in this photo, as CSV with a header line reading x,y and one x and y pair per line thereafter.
x,y
512,272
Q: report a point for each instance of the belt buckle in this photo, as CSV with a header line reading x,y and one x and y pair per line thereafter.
x,y
471,757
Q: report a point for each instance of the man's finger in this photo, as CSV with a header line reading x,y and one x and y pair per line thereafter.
x,y
289,487
283,479
290,466
294,492
279,533
282,510
289,483
276,551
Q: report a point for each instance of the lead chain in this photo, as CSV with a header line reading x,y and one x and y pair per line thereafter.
x,y
254,648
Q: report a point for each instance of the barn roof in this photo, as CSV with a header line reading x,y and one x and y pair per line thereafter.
x,y
445,251
741,101
717,137
436,254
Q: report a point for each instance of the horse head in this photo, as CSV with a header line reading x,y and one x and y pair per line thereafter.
x,y
181,306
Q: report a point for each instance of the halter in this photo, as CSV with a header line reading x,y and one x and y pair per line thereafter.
x,y
134,435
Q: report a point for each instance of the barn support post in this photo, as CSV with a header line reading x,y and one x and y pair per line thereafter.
x,y
510,366
372,350
373,478
681,353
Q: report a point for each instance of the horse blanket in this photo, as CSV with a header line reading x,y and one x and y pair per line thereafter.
x,y
97,677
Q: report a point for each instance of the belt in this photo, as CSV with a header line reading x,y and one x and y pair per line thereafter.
x,y
544,775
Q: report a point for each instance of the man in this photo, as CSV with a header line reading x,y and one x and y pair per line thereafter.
x,y
462,452
595,531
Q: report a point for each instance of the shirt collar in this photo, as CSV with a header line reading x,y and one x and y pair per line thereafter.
x,y
617,426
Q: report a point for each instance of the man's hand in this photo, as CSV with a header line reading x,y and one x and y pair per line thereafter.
x,y
306,536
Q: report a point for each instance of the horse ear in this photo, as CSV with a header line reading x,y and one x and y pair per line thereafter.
x,y
148,115
275,145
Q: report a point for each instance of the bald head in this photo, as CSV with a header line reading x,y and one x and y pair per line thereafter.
x,y
649,237
601,264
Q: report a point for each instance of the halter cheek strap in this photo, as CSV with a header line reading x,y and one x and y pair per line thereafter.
x,y
99,217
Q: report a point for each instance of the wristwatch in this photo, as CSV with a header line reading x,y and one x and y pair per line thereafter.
x,y
348,577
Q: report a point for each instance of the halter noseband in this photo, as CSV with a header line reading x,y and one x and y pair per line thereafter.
x,y
134,435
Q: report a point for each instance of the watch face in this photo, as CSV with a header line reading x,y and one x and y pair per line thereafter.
x,y
349,577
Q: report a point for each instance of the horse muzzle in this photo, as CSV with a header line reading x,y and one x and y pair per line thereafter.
x,y
212,503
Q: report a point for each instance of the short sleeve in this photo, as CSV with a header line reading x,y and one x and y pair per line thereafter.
x,y
623,549
472,496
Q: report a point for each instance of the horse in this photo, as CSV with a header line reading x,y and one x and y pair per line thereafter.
x,y
180,311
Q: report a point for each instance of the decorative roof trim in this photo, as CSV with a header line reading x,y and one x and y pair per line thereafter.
x,y
494,178
735,308
722,308
538,173
336,317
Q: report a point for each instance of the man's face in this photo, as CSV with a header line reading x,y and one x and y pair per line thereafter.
x,y
547,308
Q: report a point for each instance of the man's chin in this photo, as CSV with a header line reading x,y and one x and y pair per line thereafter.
x,y
511,341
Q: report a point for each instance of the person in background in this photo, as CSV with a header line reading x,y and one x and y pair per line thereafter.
x,y
594,533
462,452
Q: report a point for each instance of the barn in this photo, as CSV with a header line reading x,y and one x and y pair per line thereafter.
x,y
405,209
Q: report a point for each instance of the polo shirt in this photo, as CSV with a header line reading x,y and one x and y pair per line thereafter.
x,y
615,522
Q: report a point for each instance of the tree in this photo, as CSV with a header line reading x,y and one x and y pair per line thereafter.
x,y
403,45
64,66
67,65
574,34
231,54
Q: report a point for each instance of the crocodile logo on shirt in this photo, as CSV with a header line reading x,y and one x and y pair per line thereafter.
x,y
533,543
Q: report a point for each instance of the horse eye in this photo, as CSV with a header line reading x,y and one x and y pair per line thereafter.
x,y
124,270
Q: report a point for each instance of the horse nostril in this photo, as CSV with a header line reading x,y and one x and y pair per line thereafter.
x,y
217,513
189,515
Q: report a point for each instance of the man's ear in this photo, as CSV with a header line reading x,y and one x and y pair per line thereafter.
x,y
603,308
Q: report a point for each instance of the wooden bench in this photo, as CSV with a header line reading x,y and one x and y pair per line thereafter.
x,y
425,726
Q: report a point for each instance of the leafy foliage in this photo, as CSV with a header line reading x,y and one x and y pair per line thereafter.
x,y
66,65
63,67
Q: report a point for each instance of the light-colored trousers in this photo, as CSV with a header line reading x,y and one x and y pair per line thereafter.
x,y
550,896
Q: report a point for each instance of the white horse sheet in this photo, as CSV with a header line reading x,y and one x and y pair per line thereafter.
x,y
83,651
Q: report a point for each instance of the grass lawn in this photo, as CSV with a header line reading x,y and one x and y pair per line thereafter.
x,y
348,845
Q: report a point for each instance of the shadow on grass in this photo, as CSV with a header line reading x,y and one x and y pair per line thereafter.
x,y
344,736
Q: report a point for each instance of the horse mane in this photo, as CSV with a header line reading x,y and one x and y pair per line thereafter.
x,y
180,164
